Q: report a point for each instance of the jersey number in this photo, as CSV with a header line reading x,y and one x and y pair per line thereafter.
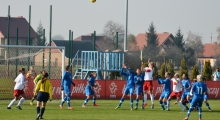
x,y
199,90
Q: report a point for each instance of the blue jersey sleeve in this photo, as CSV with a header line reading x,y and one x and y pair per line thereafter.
x,y
122,72
205,89
161,81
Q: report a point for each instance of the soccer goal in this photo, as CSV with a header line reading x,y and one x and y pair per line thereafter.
x,y
14,57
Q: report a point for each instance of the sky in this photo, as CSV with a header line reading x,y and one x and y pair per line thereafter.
x,y
83,17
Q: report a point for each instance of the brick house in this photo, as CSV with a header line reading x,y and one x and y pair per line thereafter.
x,y
56,55
22,25
210,52
165,40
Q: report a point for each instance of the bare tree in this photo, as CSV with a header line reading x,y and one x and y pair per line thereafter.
x,y
110,30
194,41
58,37
218,31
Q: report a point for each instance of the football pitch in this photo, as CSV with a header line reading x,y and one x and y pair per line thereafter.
x,y
105,111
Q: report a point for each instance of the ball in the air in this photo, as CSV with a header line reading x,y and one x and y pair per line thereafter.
x,y
93,1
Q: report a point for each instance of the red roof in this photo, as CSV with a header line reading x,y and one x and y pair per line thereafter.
x,y
210,50
141,38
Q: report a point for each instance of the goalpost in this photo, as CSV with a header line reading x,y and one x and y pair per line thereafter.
x,y
14,57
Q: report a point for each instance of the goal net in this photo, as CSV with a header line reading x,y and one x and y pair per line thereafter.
x,y
12,58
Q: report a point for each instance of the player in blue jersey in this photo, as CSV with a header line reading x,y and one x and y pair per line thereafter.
x,y
166,90
129,89
89,90
206,100
186,85
66,86
198,91
139,81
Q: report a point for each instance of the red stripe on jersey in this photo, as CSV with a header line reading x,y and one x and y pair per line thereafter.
x,y
148,70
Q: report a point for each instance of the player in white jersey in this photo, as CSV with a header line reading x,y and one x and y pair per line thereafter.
x,y
148,85
18,89
177,91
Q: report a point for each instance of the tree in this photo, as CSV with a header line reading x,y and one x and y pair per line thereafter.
x,y
195,72
155,72
183,69
110,30
178,40
194,41
132,43
150,50
57,37
162,70
39,41
171,68
218,31
207,70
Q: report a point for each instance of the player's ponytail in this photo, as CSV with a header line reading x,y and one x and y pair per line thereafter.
x,y
44,77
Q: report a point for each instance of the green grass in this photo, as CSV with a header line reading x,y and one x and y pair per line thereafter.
x,y
105,111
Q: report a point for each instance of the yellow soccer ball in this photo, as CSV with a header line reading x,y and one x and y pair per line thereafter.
x,y
93,1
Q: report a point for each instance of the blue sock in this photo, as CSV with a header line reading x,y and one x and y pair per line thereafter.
x,y
161,104
131,102
86,100
121,101
65,98
94,100
207,104
200,112
189,112
137,100
68,101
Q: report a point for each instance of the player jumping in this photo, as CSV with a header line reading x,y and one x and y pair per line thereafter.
x,y
166,92
129,89
148,85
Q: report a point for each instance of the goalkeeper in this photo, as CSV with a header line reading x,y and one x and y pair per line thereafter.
x,y
38,78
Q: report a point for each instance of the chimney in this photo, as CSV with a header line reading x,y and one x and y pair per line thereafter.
x,y
20,16
215,43
91,34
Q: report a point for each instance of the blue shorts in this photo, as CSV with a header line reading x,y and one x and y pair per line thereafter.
x,y
165,94
184,95
196,101
205,97
89,91
139,91
129,90
42,96
67,90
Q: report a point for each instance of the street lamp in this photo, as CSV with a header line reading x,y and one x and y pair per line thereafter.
x,y
126,25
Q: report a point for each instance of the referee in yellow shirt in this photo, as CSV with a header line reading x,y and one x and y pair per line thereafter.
x,y
43,91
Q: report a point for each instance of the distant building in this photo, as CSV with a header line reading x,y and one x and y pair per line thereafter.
x,y
22,25
56,55
165,40
210,52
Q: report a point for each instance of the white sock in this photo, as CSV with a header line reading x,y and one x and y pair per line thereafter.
x,y
145,98
20,101
181,105
152,98
168,104
12,102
